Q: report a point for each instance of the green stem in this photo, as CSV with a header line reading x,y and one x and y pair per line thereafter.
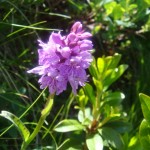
x,y
96,107
44,114
103,122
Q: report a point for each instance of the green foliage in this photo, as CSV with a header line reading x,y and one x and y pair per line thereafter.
x,y
118,27
71,144
17,122
68,125
108,71
113,98
85,116
27,138
94,142
144,130
145,134
89,91
134,143
112,137
145,103
102,122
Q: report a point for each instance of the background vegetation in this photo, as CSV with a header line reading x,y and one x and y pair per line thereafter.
x,y
118,26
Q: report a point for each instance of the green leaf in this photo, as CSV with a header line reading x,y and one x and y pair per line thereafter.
x,y
74,143
70,144
82,99
93,69
94,142
68,125
98,84
134,143
145,104
114,98
148,2
88,89
85,117
124,23
100,65
145,134
48,107
132,7
118,12
109,7
107,74
116,73
114,61
112,137
122,126
108,61
17,122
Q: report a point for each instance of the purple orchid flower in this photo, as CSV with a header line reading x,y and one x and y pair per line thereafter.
x,y
64,59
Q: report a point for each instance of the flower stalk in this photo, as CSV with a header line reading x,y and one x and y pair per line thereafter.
x,y
44,114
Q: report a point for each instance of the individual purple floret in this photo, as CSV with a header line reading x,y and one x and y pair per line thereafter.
x,y
63,60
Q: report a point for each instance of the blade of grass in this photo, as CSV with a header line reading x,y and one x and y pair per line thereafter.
x,y
75,4
24,112
30,27
53,121
10,79
27,82
46,129
11,101
41,22
12,4
60,15
8,14
7,40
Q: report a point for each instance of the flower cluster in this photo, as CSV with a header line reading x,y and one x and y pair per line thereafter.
x,y
63,60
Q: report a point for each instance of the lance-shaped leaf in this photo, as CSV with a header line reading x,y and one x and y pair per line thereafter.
x,y
68,125
89,91
145,103
17,122
112,137
113,98
114,61
100,65
94,142
145,134
114,75
93,69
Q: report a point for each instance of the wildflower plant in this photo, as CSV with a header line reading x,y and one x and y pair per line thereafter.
x,y
100,122
62,60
